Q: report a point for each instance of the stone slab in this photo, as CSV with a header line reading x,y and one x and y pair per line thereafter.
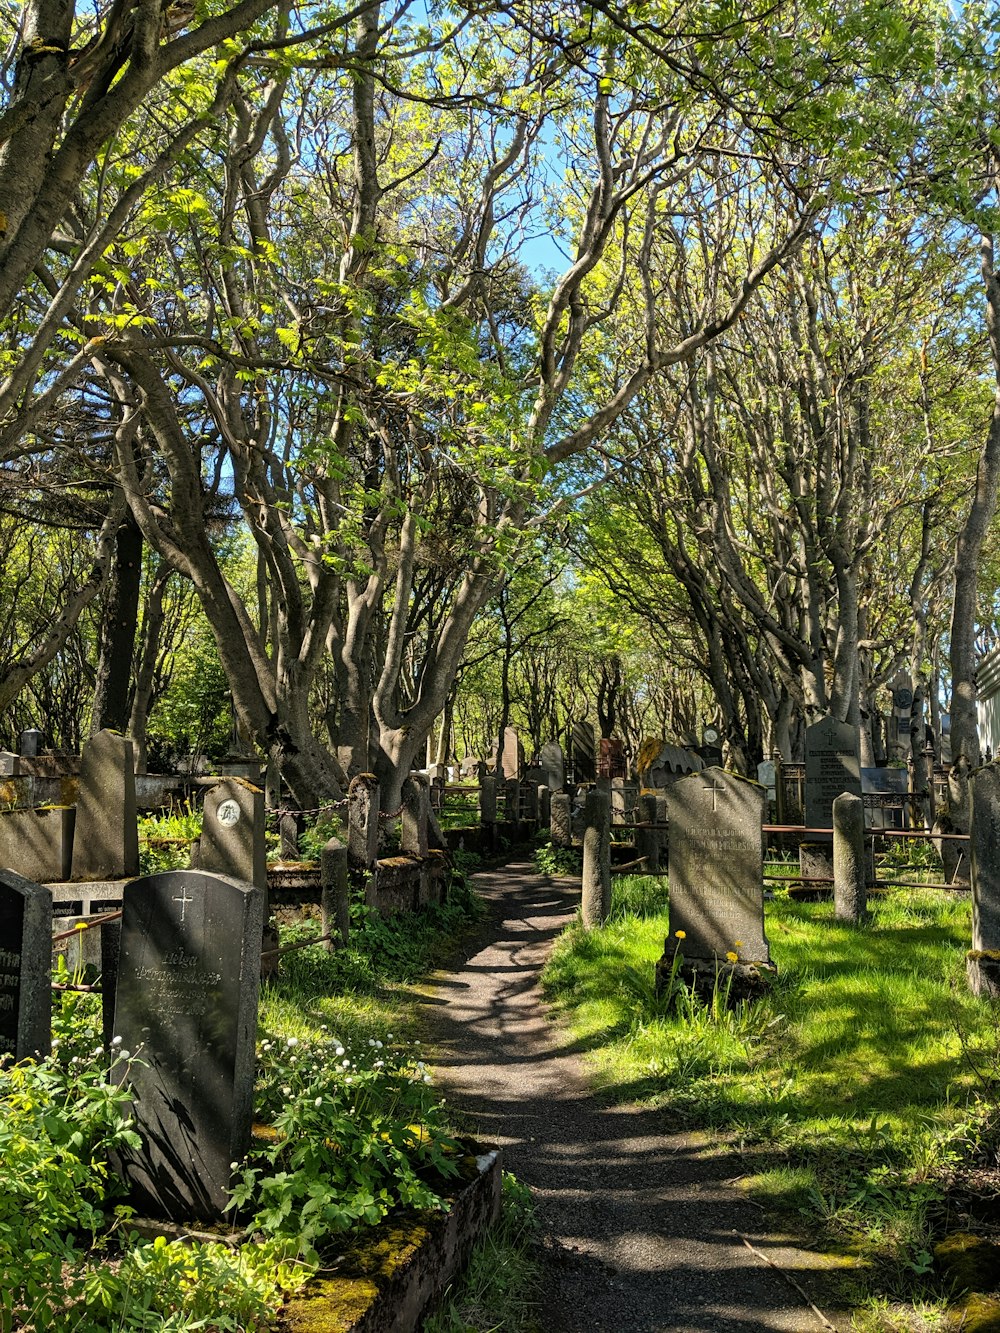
x,y
716,866
833,765
106,838
38,844
186,1003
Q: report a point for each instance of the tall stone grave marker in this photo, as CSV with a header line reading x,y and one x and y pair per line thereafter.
x,y
716,866
106,836
553,765
833,766
186,1003
25,967
232,835
583,752
512,754
984,855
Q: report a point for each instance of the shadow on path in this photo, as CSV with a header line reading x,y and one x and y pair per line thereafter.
x,y
647,1229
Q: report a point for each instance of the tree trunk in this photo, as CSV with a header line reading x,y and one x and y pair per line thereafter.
x,y
117,633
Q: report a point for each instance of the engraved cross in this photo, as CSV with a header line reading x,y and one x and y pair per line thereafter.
x,y
714,789
183,900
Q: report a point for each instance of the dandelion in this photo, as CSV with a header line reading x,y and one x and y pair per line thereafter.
x,y
339,1050
371,1041
292,1041
733,957
116,1041
680,934
378,1045
345,1064
388,1036
737,944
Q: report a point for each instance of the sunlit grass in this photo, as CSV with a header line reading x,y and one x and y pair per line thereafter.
x,y
849,1085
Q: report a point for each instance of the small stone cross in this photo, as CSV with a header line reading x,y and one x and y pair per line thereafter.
x,y
714,789
183,899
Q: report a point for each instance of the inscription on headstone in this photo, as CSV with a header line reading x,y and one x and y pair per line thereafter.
x,y
186,1003
25,967
833,766
512,754
716,866
232,836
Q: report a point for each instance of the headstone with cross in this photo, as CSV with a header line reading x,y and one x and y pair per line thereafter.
x,y
186,1004
716,866
833,765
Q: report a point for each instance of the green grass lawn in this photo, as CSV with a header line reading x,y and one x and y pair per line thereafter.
x,y
851,1090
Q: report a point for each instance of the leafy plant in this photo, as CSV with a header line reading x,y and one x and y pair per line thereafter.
x,y
165,839
354,1135
551,860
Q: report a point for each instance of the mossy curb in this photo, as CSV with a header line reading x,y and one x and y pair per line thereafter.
x,y
386,1281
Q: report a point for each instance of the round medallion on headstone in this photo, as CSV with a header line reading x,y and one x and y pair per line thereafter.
x,y
229,813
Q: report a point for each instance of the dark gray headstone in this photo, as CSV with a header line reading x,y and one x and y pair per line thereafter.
x,y
553,765
232,834
25,967
984,856
186,1003
488,800
32,742
106,837
833,766
716,866
583,752
38,843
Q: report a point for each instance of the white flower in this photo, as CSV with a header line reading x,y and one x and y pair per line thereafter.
x,y
234,1166
371,1041
388,1036
318,1101
292,1041
287,1091
116,1041
98,1050
427,1078
345,1064
266,1046
339,1050
378,1045
379,1064
322,1027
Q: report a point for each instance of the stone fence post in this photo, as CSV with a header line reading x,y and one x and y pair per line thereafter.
x,y
647,840
984,856
596,889
335,903
849,888
362,820
561,819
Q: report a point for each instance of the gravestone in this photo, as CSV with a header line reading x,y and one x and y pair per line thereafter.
x,y
887,783
983,961
415,816
553,765
716,866
186,1003
106,836
10,764
32,742
38,843
561,820
512,754
25,967
582,752
833,766
232,832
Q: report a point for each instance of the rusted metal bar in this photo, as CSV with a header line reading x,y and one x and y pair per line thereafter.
x,y
81,926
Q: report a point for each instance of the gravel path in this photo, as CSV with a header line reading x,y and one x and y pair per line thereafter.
x,y
645,1226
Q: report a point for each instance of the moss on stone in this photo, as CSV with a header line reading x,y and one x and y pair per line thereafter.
x,y
983,956
970,1261
978,1314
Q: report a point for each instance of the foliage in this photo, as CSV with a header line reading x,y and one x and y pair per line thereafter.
x,y
165,839
495,1293
551,860
355,1135
317,834
845,1085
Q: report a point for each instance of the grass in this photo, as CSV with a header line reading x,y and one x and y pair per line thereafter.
x,y
850,1089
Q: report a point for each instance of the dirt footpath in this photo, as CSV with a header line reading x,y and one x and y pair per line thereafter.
x,y
646,1228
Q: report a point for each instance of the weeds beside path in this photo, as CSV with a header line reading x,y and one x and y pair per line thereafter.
x,y
645,1224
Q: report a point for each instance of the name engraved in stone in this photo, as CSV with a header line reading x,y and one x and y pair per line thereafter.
x,y
10,958
6,1003
181,985
710,841
10,980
